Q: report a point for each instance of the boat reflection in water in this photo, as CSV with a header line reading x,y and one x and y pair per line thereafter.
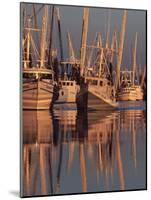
x,y
68,152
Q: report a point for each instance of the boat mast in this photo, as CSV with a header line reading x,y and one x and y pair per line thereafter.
x,y
84,40
114,46
60,40
120,50
71,49
108,31
101,53
23,22
50,37
43,37
28,42
134,60
60,35
28,48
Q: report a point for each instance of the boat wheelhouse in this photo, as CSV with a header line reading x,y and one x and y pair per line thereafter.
x,y
67,91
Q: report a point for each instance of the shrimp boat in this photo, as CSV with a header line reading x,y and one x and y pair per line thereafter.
x,y
38,80
127,94
37,88
97,91
129,90
67,84
97,95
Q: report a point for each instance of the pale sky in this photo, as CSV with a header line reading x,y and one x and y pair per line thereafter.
x,y
71,20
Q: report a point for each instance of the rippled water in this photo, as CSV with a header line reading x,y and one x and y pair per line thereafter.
x,y
70,152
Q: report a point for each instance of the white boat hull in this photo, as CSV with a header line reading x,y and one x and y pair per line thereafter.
x,y
37,95
130,94
127,96
67,93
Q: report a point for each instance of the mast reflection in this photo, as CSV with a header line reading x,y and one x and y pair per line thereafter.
x,y
57,146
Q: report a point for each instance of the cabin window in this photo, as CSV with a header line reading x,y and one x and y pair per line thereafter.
x,y
63,83
72,84
62,93
101,83
68,83
46,76
94,82
25,75
89,82
29,75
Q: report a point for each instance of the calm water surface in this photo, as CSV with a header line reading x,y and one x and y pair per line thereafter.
x,y
70,152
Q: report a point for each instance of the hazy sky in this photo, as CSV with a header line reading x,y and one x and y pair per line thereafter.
x,y
71,20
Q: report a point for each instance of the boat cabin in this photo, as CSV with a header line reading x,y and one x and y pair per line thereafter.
x,y
66,83
97,81
35,73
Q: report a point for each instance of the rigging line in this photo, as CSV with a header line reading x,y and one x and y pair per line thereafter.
x,y
36,13
105,60
36,27
24,41
70,47
34,47
92,51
